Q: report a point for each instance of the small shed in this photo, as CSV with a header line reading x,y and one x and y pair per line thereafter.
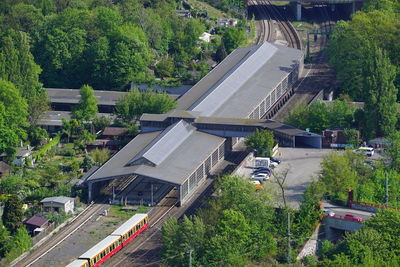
x,y
4,169
36,224
58,204
114,132
205,37
22,154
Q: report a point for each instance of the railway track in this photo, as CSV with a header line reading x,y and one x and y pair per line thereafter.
x,y
36,254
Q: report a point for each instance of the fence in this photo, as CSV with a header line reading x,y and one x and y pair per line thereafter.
x,y
43,233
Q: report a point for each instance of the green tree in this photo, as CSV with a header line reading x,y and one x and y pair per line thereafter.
x,y
351,136
21,242
136,103
100,156
232,38
4,239
37,135
101,122
165,67
13,214
13,114
393,150
262,141
87,107
381,103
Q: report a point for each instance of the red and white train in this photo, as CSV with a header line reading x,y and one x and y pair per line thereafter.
x,y
112,243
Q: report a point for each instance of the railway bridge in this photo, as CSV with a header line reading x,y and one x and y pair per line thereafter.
x,y
296,5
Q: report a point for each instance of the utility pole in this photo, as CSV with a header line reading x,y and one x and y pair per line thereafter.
x,y
151,194
288,236
190,257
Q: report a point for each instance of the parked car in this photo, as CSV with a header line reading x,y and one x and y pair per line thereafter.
x,y
352,217
275,160
260,176
328,212
268,171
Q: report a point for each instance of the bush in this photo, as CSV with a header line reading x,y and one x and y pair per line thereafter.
x,y
69,152
44,150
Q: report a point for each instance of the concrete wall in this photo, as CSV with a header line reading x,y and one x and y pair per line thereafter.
x,y
331,223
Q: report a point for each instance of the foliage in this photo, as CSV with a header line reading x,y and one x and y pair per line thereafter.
x,y
20,243
319,116
37,135
380,104
13,214
101,122
376,244
221,53
342,172
87,106
233,37
13,117
100,156
44,150
261,141
353,43
4,239
87,163
393,150
136,103
235,227
351,136
164,68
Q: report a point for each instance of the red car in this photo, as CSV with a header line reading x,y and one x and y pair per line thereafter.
x,y
352,217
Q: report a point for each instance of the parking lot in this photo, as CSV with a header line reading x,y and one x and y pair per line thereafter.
x,y
303,165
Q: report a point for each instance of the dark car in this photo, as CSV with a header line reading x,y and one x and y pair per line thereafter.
x,y
352,217
263,170
275,160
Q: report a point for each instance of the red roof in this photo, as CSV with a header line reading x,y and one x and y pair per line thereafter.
x,y
36,221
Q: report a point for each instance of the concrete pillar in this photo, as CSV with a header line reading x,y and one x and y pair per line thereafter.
x,y
90,192
298,11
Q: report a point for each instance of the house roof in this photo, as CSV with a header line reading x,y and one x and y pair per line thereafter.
x,y
60,199
114,131
36,221
4,167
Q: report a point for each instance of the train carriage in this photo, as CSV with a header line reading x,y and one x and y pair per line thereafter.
x,y
131,228
102,251
79,263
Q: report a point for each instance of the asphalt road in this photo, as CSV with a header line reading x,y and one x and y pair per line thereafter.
x,y
340,210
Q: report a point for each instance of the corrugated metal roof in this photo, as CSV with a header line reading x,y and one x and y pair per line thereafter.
x,y
162,146
178,164
36,221
72,96
223,93
126,226
234,80
60,199
96,249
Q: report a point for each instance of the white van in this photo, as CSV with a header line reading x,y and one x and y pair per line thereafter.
x,y
369,151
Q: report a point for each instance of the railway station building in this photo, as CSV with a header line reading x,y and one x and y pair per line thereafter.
x,y
176,151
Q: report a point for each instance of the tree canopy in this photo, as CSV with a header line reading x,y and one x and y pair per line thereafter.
x,y
262,141
87,106
136,103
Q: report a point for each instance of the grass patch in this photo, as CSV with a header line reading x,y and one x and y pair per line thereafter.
x,y
212,12
118,212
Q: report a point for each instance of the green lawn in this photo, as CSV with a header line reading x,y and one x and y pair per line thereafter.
x,y
212,11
